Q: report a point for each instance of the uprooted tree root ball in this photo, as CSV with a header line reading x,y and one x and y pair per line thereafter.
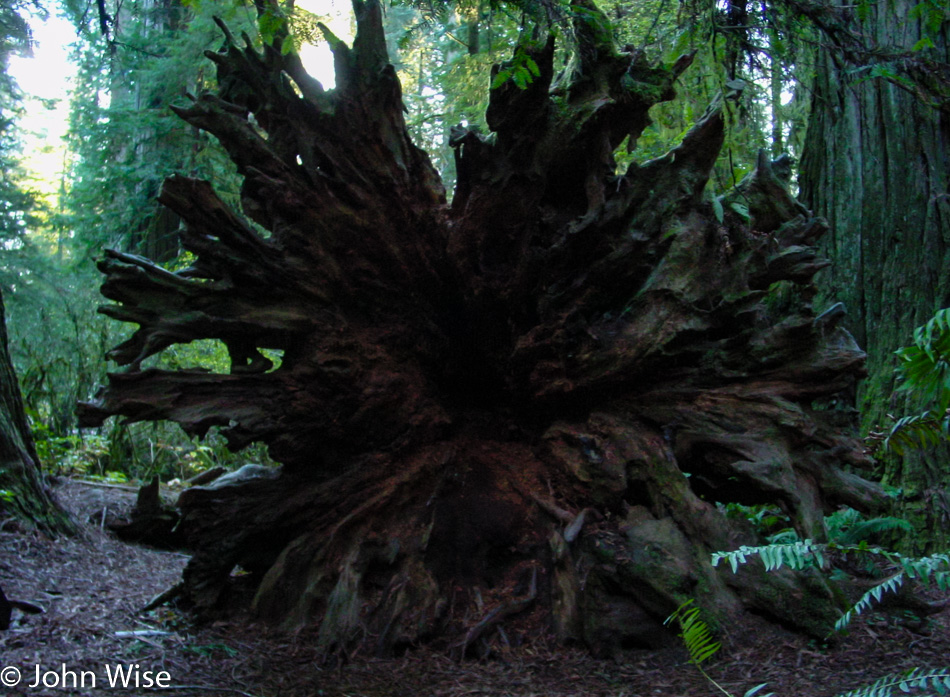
x,y
519,407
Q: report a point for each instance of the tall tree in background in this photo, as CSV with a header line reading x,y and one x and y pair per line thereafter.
x,y
135,59
877,165
23,494
520,407
17,204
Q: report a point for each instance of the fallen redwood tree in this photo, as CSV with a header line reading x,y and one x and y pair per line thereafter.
x,y
514,411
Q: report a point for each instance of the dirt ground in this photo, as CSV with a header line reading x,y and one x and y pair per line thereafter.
x,y
91,588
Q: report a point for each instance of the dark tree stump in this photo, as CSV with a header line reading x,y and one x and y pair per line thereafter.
x,y
485,411
151,521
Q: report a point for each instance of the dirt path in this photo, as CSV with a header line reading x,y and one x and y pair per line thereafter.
x,y
92,586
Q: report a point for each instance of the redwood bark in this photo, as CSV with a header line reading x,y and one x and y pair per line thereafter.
x,y
485,410
877,165
24,493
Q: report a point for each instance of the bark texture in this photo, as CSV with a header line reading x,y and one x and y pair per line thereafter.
x,y
877,166
23,492
485,410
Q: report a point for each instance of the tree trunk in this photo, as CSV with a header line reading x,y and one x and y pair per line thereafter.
x,y
521,408
23,493
877,165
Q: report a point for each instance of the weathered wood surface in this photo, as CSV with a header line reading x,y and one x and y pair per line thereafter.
x,y
497,399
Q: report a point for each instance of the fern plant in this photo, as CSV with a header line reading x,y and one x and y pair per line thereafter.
x,y
847,526
925,366
699,642
924,370
933,681
802,554
917,431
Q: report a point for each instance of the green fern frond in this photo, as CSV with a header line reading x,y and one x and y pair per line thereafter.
x,y
841,519
695,633
918,431
936,681
924,372
783,537
755,691
796,555
864,530
934,569
871,597
925,366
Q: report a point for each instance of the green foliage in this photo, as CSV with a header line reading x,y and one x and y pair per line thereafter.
x,y
925,366
916,432
799,555
73,454
521,70
699,643
765,519
934,681
123,142
847,526
57,339
19,206
931,14
304,28
15,34
271,24
124,139
924,374
796,555
695,633
444,66
535,12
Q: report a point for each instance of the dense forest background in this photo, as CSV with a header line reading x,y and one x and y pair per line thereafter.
x,y
854,99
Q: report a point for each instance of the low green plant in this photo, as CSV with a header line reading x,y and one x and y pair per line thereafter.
x,y
701,646
848,537
803,554
765,519
923,371
935,681
699,642
74,454
846,526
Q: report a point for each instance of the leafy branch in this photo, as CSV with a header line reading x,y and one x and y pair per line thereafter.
x,y
803,554
916,679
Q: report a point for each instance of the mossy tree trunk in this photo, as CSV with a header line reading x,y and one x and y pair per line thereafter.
x,y
23,493
877,166
519,408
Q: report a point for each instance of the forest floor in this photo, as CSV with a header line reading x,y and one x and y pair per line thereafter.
x,y
92,586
